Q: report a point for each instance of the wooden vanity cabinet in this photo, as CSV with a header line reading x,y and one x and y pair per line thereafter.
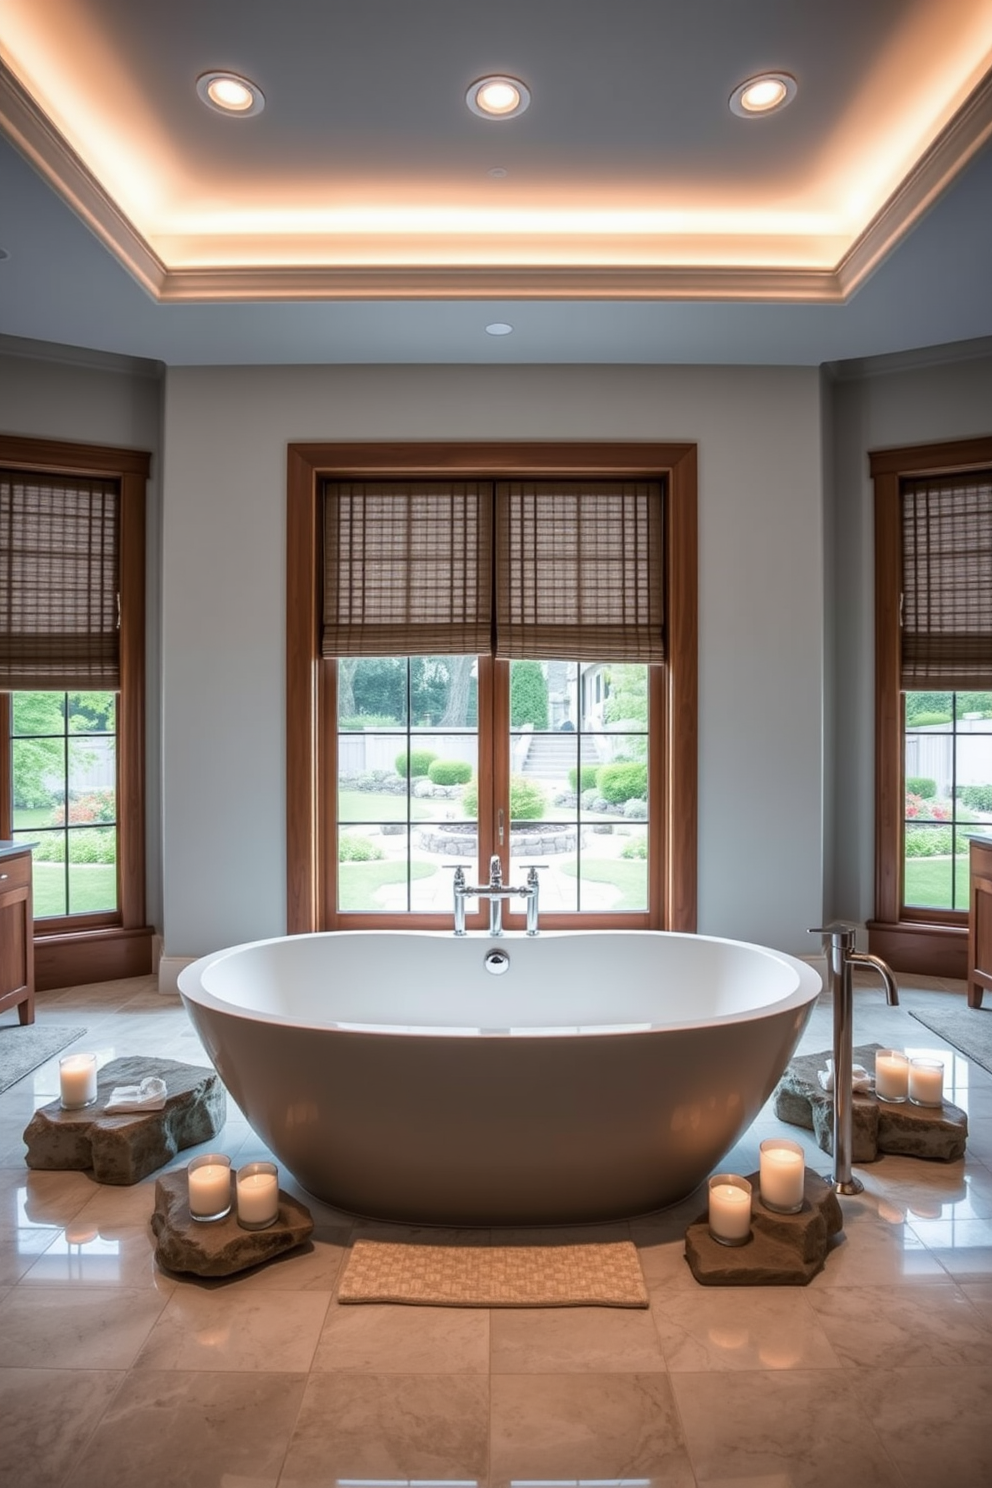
x,y
980,921
16,934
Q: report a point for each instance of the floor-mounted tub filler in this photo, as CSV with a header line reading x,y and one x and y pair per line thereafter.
x,y
600,1074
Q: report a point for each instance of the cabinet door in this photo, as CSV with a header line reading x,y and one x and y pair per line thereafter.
x,y
16,935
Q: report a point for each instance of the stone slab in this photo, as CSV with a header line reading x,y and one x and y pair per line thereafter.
x,y
784,1249
122,1149
877,1127
220,1247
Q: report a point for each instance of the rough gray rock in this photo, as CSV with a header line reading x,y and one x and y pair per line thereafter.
x,y
221,1247
877,1126
784,1249
124,1148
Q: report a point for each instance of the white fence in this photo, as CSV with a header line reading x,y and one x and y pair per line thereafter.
x,y
930,753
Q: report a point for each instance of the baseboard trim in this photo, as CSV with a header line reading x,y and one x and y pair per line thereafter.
x,y
83,956
169,968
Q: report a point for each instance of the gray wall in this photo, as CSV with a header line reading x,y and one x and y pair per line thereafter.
x,y
761,610
881,408
95,399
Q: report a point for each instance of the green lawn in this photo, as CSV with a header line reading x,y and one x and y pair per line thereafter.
x,y
92,888
358,882
630,877
928,882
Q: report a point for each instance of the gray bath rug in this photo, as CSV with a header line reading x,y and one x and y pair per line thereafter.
x,y
23,1048
968,1029
603,1275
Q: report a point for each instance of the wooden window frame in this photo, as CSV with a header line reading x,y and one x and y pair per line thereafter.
x,y
311,721
930,941
97,947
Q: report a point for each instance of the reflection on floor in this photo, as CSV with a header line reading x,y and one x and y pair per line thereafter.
x,y
878,1375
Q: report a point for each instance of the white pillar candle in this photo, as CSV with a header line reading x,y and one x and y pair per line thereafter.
x,y
782,1175
210,1186
891,1075
926,1082
258,1195
730,1208
77,1080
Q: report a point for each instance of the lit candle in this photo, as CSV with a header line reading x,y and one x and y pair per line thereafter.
x,y
77,1081
730,1208
926,1082
783,1175
209,1186
258,1195
891,1075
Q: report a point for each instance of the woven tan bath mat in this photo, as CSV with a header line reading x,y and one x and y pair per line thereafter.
x,y
607,1275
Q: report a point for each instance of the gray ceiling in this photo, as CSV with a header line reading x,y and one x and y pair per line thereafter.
x,y
59,284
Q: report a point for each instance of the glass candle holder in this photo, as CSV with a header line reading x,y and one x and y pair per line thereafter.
x,y
257,1188
782,1175
209,1186
77,1081
891,1075
926,1082
730,1208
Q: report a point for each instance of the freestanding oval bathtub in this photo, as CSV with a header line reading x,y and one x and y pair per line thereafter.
x,y
603,1074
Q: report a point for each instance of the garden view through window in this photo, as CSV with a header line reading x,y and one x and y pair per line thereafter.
x,y
64,798
948,780
409,751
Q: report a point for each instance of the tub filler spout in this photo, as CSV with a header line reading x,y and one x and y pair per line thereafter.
x,y
495,891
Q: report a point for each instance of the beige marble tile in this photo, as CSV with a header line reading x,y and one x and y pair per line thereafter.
x,y
19,1249
876,1249
722,1328
43,1198
567,1340
979,1294
404,1340
962,1246
397,1427
46,1419
54,1327
238,1330
799,1428
586,1426
934,1423
314,1267
194,1430
83,1254
890,1326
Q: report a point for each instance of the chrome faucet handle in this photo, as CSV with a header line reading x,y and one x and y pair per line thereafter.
x,y
842,935
496,871
532,871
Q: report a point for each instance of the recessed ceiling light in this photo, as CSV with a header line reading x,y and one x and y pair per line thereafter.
x,y
499,328
498,97
763,94
230,94
498,172
3,254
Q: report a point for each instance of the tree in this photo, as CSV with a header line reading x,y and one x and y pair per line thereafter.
x,y
528,695
456,709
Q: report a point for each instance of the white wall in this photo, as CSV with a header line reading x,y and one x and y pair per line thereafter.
x,y
879,408
114,401
761,610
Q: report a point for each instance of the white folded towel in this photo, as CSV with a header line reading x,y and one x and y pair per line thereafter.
x,y
148,1096
860,1078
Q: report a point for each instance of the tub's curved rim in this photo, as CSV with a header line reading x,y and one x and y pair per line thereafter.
x,y
191,988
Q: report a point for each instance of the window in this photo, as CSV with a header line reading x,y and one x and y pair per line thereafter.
x,y
491,733
933,556
72,699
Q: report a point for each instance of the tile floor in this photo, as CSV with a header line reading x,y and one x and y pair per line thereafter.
x,y
877,1375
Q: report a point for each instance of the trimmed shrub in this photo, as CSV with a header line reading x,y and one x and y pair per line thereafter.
x,y
98,846
352,849
928,720
619,782
586,774
528,695
416,763
360,721
449,772
978,797
921,785
637,847
929,842
527,799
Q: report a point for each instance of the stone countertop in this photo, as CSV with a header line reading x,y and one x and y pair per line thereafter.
x,y
7,849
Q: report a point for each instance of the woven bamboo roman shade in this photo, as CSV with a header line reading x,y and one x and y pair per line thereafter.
x,y
947,581
579,570
535,569
59,582
407,568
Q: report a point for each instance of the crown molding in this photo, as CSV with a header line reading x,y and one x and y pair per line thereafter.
x,y
54,158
